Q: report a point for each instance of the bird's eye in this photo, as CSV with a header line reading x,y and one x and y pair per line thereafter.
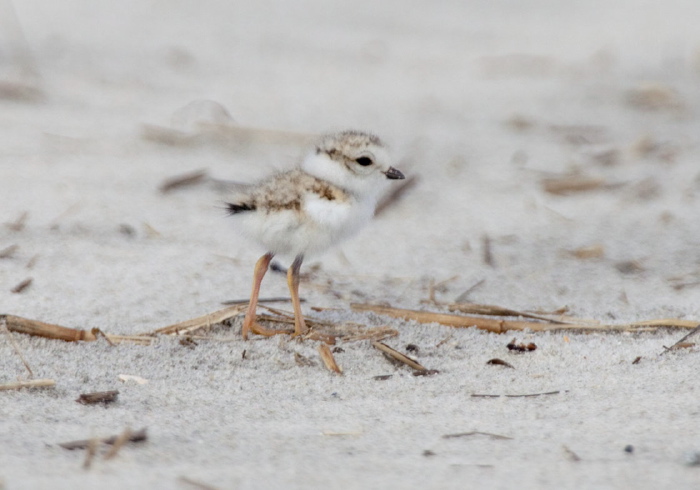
x,y
364,161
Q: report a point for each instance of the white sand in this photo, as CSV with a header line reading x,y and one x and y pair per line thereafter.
x,y
439,83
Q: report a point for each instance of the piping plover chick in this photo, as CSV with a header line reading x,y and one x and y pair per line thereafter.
x,y
304,211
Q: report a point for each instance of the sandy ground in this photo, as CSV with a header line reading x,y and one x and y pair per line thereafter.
x,y
483,102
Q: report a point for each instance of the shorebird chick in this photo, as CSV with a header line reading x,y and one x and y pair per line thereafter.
x,y
304,211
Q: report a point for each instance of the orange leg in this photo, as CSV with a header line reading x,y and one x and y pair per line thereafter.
x,y
260,269
293,283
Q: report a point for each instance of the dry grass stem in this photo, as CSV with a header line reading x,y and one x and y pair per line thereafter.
x,y
190,326
276,299
683,340
476,433
118,443
486,251
528,395
184,180
48,330
16,348
570,184
197,484
399,357
103,397
138,436
500,326
19,223
572,455
595,251
22,285
99,333
462,298
8,252
302,360
493,310
32,383
328,359
90,453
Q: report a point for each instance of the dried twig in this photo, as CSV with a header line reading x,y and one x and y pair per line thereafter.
x,y
328,359
572,455
571,183
90,453
18,224
195,483
99,333
190,326
474,395
302,360
16,348
500,362
397,356
184,180
493,310
462,297
103,397
486,251
22,285
681,341
32,383
500,326
138,436
476,433
8,252
48,330
276,299
118,443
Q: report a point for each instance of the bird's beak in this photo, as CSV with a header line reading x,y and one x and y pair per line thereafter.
x,y
392,173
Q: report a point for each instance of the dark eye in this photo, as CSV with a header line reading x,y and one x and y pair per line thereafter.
x,y
364,161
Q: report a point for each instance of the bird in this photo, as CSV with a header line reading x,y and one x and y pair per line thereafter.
x,y
326,198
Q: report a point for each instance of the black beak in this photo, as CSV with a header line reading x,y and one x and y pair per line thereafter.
x,y
392,173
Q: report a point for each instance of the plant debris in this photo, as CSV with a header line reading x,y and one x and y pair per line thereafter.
x,y
500,362
476,433
572,455
681,343
570,184
22,285
426,372
138,436
398,357
32,383
517,396
500,326
328,359
185,180
104,397
8,252
302,360
521,347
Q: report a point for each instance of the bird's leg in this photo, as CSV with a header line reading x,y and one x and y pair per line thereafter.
x,y
260,269
293,283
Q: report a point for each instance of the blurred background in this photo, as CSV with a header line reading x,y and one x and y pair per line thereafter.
x,y
553,145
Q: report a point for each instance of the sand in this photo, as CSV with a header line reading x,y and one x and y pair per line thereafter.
x,y
482,102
